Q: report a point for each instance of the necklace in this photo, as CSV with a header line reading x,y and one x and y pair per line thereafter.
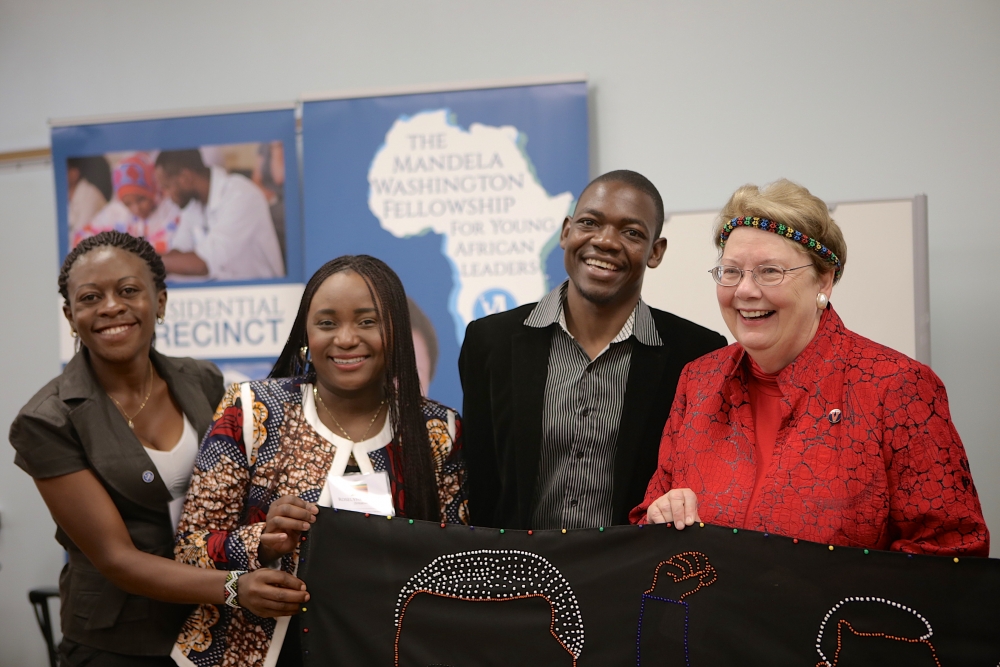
x,y
150,391
342,429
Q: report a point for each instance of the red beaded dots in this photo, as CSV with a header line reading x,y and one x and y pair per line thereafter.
x,y
686,565
844,627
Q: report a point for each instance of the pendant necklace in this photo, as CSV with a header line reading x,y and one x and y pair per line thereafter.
x,y
131,425
342,429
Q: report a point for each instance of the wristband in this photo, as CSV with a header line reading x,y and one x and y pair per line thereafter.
x,y
232,588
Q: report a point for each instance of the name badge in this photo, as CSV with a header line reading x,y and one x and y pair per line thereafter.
x,y
362,493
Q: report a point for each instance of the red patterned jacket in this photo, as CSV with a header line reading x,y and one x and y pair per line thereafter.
x,y
890,474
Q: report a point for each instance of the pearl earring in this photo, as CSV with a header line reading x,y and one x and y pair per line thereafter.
x,y
822,301
159,319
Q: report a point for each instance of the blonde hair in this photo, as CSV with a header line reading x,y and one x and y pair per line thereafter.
x,y
790,204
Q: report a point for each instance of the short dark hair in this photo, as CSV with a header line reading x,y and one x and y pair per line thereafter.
x,y
401,384
635,180
188,158
134,244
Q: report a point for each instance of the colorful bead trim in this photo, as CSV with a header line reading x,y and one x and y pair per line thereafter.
x,y
232,588
780,229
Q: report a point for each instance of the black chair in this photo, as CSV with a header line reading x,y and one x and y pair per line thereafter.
x,y
39,598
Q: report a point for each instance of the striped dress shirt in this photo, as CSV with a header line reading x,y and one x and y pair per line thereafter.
x,y
581,417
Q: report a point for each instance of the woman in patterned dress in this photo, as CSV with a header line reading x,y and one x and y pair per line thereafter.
x,y
343,397
802,427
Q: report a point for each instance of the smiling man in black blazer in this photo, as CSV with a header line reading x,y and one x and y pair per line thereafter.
x,y
565,399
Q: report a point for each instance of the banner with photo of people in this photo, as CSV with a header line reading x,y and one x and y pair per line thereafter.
x,y
217,195
461,192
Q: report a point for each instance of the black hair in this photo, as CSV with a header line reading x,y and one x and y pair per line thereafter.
x,y
639,182
96,171
134,244
423,326
401,384
188,158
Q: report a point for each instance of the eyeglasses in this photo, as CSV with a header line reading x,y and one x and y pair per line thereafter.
x,y
767,275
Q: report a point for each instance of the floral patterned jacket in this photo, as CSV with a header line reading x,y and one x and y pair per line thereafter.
x,y
866,454
228,501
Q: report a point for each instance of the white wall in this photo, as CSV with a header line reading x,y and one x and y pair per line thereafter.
x,y
856,100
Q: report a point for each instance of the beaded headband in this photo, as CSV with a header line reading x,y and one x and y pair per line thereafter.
x,y
780,229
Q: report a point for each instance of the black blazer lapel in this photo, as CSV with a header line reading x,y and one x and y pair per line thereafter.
x,y
529,371
116,454
644,376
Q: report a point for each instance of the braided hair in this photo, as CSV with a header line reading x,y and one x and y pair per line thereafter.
x,y
401,384
134,244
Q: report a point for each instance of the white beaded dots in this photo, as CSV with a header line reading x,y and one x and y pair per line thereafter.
x,y
822,626
496,575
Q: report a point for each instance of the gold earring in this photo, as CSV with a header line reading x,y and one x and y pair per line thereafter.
x,y
304,354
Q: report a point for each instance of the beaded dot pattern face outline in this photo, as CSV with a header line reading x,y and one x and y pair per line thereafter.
x,y
499,575
843,624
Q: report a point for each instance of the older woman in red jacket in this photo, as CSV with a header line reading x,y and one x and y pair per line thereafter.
x,y
803,428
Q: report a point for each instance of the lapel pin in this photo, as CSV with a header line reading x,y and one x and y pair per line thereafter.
x,y
147,476
834,416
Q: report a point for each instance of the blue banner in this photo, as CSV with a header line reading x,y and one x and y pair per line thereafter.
x,y
462,193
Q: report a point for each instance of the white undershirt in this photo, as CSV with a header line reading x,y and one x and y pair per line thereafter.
x,y
175,468
344,447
